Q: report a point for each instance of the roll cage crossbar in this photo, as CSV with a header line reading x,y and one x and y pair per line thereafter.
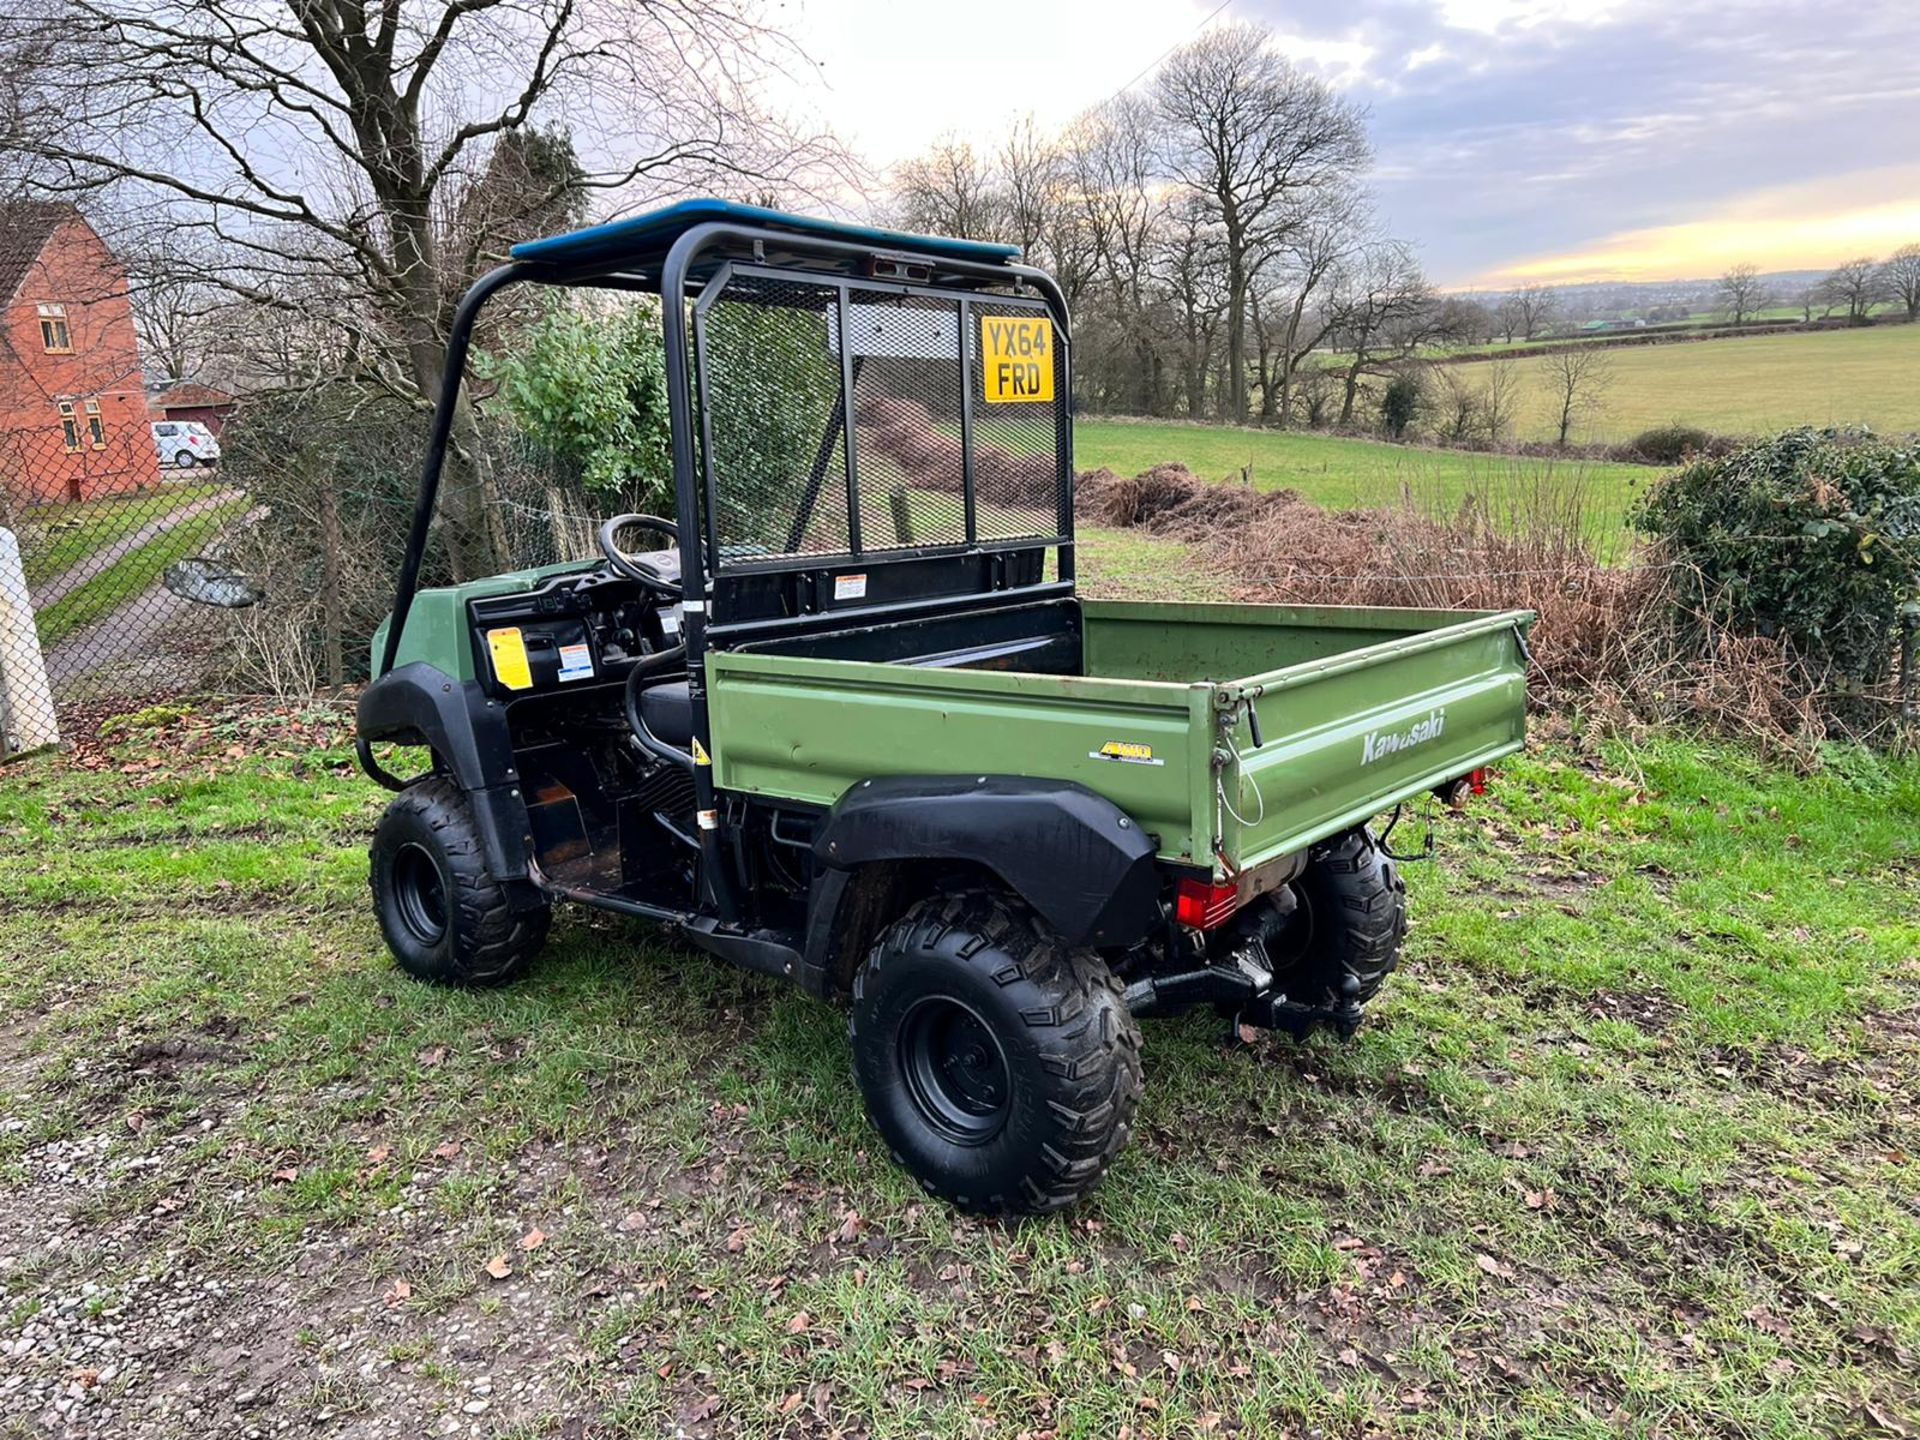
x,y
712,246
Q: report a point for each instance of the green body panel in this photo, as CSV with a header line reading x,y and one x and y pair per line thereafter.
x,y
1359,708
437,624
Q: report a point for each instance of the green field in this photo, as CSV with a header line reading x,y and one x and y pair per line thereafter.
x,y
1746,386
1341,473
1628,1150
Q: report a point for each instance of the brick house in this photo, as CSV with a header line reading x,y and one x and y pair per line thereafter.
x,y
73,410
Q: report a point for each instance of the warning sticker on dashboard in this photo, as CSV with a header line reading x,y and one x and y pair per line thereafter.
x,y
509,653
576,662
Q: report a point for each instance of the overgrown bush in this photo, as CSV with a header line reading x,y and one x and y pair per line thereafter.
x,y
1399,404
1812,536
587,383
1671,444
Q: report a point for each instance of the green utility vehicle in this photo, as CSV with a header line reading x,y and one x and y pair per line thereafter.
x,y
853,727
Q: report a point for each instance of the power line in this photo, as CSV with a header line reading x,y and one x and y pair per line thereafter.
x,y
1153,64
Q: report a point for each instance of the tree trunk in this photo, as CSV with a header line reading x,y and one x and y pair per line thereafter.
x,y
1352,390
1234,405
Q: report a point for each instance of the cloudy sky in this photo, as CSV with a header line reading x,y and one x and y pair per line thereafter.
x,y
1516,139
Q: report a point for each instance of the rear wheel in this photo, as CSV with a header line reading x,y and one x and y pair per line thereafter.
x,y
445,918
184,460
1345,936
1000,1065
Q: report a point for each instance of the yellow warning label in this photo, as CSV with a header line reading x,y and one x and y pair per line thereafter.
x,y
700,756
509,653
1017,352
1127,752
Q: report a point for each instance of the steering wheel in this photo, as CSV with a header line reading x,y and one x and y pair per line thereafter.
x,y
624,564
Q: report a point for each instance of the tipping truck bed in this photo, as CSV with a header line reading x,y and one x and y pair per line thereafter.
x,y
1233,734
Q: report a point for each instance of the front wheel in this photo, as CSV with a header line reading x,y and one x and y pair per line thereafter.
x,y
445,917
184,460
1000,1065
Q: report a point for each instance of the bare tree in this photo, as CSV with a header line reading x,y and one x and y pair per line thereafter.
x,y
951,190
1252,138
1741,292
1454,402
1856,285
324,141
1900,278
1383,312
1304,264
1109,154
1577,378
1191,265
1528,311
1499,399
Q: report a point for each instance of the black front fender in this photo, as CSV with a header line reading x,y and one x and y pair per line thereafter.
x,y
1071,854
418,704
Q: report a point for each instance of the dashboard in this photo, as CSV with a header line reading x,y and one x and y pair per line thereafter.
x,y
572,630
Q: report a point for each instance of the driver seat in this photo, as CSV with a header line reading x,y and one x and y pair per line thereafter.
x,y
668,712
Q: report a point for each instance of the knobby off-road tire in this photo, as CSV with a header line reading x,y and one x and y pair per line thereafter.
x,y
1350,924
446,919
1000,1065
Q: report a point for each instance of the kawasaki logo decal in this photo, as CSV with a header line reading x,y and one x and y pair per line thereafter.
x,y
1392,742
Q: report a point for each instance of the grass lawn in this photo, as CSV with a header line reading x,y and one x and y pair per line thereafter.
x,y
1749,385
133,572
1629,1148
1339,472
47,551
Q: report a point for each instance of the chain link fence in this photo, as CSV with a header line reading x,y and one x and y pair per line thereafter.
x,y
258,562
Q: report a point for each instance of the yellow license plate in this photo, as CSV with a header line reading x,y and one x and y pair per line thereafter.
x,y
1017,352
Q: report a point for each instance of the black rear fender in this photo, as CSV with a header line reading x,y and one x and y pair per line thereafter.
x,y
1071,854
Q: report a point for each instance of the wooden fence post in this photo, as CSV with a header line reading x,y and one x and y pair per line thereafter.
x,y
330,600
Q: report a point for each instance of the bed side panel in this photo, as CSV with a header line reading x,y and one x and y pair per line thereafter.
x,y
806,729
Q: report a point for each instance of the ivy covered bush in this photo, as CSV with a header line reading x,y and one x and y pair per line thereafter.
x,y
1813,535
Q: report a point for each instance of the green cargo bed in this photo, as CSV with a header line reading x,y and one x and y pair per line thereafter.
x,y
1356,709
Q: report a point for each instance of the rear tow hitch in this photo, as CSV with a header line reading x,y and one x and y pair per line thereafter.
x,y
1238,981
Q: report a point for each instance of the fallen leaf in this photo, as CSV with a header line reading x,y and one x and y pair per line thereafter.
x,y
788,1405
798,1324
533,1239
850,1227
737,1240
446,1150
432,1055
379,1153
1542,1199
1493,1266
498,1267
287,1176
400,1290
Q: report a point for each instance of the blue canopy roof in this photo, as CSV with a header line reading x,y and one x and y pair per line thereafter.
x,y
643,239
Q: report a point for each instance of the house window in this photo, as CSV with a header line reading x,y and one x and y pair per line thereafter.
x,y
69,427
96,432
53,330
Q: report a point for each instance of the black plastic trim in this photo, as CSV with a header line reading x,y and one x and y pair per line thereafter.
x,y
1073,855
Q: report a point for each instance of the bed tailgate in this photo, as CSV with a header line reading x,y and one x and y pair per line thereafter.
x,y
1333,742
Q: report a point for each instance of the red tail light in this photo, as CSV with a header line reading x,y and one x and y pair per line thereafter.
x,y
1203,904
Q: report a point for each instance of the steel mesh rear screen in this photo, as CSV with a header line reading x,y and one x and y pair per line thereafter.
x,y
934,380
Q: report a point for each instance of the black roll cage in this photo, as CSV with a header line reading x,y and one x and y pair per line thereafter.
x,y
855,265
754,243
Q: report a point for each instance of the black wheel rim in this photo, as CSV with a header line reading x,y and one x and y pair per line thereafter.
x,y
419,894
956,1072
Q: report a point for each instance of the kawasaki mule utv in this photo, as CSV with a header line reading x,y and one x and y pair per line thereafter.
x,y
853,727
